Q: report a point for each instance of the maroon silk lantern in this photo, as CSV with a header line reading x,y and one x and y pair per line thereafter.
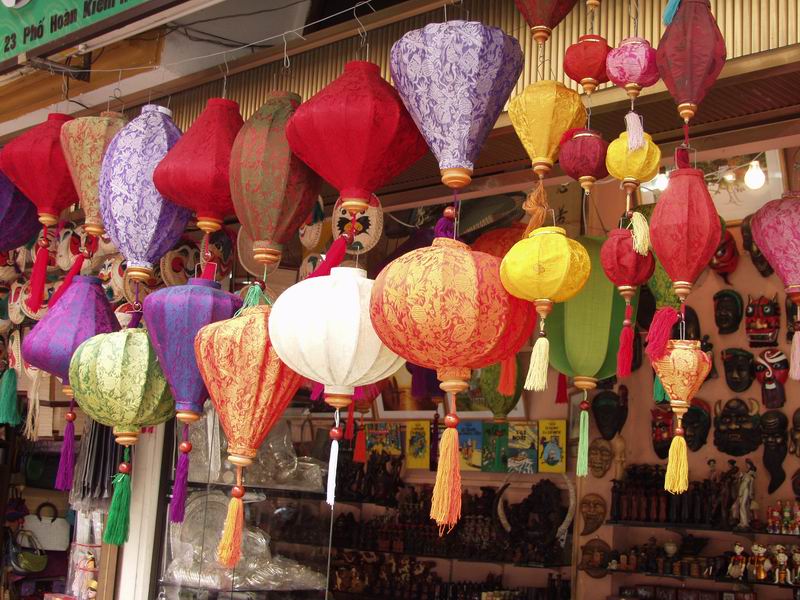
x,y
35,163
194,173
356,133
543,15
691,55
585,61
583,156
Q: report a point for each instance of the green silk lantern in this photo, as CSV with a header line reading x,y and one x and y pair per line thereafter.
x,y
492,391
118,382
584,339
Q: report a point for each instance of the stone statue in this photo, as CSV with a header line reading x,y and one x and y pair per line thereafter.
x,y
742,506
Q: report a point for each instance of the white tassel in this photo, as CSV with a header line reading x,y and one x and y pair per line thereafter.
x,y
536,380
794,365
633,125
32,420
640,233
332,463
214,446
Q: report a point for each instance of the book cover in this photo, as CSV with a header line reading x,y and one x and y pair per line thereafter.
x,y
552,446
383,437
470,440
494,453
418,444
523,443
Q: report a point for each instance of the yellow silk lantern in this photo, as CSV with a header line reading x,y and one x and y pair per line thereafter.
x,y
544,268
541,115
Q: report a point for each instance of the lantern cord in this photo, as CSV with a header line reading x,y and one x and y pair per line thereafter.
x,y
333,463
589,109
590,18
686,134
633,12
457,209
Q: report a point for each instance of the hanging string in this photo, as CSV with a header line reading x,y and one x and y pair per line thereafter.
x,y
457,209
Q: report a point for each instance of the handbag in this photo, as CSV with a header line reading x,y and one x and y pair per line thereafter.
x,y
41,470
51,533
25,561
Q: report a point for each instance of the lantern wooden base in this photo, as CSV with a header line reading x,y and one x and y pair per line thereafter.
x,y
592,4
682,289
209,224
267,256
589,84
140,274
126,438
456,177
500,420
354,206
627,292
587,182
187,417
95,229
541,166
48,220
541,33
67,389
585,383
633,90
453,379
687,110
239,460
338,401
630,185
543,307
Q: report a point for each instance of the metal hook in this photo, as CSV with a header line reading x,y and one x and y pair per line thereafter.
x,y
362,31
224,75
286,62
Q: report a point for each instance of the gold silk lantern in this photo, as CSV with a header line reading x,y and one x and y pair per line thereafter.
x,y
541,114
545,267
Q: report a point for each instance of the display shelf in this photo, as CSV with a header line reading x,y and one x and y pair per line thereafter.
x,y
278,492
679,527
299,594
692,578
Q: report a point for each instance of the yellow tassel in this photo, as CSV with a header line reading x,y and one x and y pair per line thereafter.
x,y
537,372
640,234
536,206
676,480
446,501
229,550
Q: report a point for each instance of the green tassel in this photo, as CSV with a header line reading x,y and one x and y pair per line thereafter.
x,y
119,513
659,393
255,297
583,446
9,405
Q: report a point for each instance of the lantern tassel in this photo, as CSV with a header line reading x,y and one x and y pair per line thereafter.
x,y
38,276
333,463
582,469
536,206
9,404
670,10
676,480
625,352
640,233
794,367
119,513
660,332
333,258
73,270
659,393
446,500
561,390
66,462
633,126
360,450
229,550
177,505
506,385
434,464
349,430
32,418
537,371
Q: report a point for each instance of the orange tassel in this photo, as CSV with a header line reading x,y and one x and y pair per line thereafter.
x,y
507,384
446,501
536,206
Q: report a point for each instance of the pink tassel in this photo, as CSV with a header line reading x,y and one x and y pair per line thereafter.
x,y
660,332
316,390
625,352
794,368
66,463
561,389
333,258
38,276
177,506
351,422
633,125
73,270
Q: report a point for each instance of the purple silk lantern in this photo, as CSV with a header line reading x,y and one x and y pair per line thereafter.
x,y
81,313
174,315
140,222
18,219
454,79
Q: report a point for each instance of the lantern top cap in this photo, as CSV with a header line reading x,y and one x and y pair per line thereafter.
x,y
222,103
156,108
619,232
688,344
586,133
591,37
634,40
686,171
450,243
204,282
546,230
361,65
59,117
348,272
90,279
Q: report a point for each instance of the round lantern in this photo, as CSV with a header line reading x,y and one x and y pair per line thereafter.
x,y
273,191
18,221
585,61
250,387
543,15
118,383
498,242
632,66
195,172
356,133
632,167
456,59
682,370
141,223
691,55
583,156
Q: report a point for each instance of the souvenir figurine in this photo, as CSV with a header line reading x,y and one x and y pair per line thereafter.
x,y
758,565
696,424
600,455
791,319
760,263
739,369
794,435
593,511
728,311
774,425
762,318
795,568
783,574
610,411
726,258
742,508
661,430
772,371
737,427
787,519
738,562
774,518
620,456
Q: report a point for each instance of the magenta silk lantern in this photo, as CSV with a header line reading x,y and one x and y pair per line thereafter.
x,y
632,65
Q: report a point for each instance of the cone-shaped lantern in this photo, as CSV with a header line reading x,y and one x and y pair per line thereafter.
x,y
454,79
632,65
583,156
18,220
273,191
141,223
356,133
585,61
543,15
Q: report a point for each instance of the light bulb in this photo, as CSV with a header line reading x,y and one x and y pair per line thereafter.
x,y
755,178
661,181
729,176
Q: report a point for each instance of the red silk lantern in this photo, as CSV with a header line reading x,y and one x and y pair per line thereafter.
x,y
356,133
583,156
194,173
543,15
498,242
691,55
585,61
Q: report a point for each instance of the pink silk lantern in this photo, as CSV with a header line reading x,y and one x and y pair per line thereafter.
x,y
632,66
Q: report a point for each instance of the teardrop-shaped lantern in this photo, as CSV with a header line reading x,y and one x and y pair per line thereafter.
x,y
454,78
583,156
585,61
543,15
18,220
632,65
273,191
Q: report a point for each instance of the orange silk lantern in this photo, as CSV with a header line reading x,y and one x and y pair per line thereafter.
x,y
498,242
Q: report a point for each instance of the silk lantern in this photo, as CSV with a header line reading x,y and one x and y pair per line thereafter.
x,y
626,269
584,342
82,313
775,228
18,221
174,315
691,55
250,386
682,369
541,115
583,156
272,190
498,242
585,61
545,268
444,308
119,383
21,160
632,65
543,15
141,223
465,60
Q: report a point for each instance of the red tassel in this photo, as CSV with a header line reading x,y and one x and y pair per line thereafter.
x,y
38,276
360,451
660,332
561,390
209,271
351,422
333,258
73,270
507,384
625,352
682,154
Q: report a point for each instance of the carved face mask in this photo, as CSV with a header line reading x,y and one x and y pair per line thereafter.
x,y
772,371
762,319
796,484
726,258
774,434
749,245
737,429
661,430
739,371
593,511
696,424
794,438
610,411
600,456
728,308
